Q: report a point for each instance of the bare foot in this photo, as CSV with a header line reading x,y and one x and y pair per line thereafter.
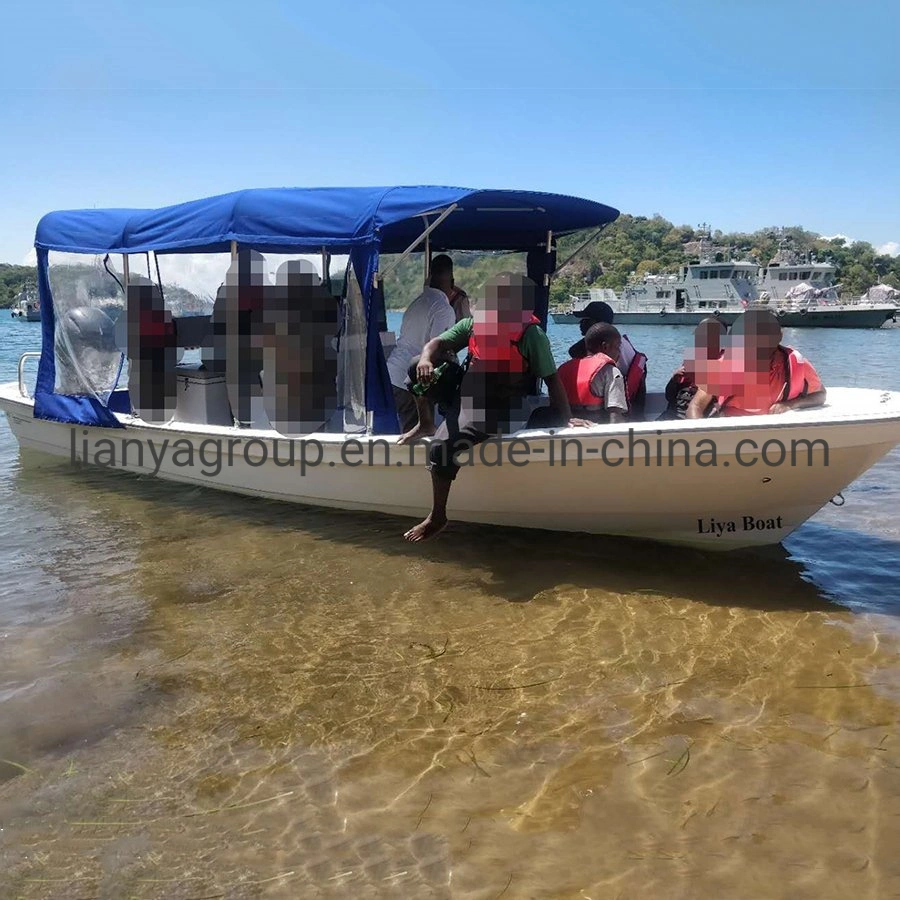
x,y
427,528
416,434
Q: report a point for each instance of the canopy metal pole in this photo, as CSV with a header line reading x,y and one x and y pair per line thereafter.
x,y
234,250
158,276
549,251
326,267
380,276
581,247
125,271
427,253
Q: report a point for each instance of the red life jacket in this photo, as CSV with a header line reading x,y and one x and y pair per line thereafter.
x,y
576,376
635,376
794,386
156,328
499,352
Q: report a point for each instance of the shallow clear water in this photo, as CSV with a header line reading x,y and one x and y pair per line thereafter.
x,y
206,695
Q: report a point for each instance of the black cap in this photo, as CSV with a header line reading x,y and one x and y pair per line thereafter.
x,y
597,311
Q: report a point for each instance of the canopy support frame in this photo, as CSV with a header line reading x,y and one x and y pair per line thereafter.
x,y
326,267
380,276
427,253
581,247
549,251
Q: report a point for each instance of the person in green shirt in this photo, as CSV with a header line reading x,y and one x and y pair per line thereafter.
x,y
508,353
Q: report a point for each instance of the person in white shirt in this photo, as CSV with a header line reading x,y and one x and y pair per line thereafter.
x,y
429,315
442,279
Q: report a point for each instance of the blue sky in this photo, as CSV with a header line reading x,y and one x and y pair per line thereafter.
x,y
740,114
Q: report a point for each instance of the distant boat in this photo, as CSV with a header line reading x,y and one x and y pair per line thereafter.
x,y
578,301
27,307
800,292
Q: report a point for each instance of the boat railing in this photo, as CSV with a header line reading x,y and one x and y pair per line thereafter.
x,y
31,354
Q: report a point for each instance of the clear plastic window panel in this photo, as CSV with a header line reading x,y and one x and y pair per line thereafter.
x,y
89,334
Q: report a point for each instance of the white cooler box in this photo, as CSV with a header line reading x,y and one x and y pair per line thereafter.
x,y
202,397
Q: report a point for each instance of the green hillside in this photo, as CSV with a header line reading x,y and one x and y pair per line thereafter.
x,y
13,280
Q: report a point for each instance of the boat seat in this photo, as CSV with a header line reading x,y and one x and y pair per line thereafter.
x,y
192,331
655,406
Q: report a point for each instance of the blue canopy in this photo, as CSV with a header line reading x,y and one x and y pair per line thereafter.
x,y
362,222
307,219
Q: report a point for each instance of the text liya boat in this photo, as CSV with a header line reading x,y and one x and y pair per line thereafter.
x,y
716,483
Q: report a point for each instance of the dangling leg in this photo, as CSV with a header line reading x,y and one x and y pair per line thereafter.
x,y
436,521
425,427
444,469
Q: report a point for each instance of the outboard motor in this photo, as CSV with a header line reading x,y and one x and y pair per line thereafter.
x,y
87,355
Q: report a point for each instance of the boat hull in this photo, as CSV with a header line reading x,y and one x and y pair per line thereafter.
x,y
27,316
564,318
673,318
657,490
853,317
848,317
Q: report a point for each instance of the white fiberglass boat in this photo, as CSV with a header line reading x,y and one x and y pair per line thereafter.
x,y
717,483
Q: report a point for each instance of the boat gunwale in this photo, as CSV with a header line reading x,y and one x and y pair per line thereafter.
x,y
797,419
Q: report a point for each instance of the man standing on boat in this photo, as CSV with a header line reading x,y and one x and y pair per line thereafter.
x,y
508,353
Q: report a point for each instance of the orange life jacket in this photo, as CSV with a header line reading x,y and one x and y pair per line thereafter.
x,y
794,386
576,376
499,352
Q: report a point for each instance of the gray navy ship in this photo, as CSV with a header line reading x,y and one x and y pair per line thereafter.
x,y
801,292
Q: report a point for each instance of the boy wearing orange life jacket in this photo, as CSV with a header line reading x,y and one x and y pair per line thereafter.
x,y
631,363
759,376
594,384
508,353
